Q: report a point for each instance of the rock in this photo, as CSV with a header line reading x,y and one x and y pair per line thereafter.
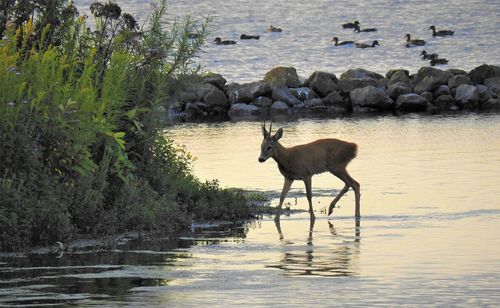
x,y
493,83
400,76
216,80
336,100
313,103
279,107
411,102
215,98
360,73
439,76
467,96
347,85
456,71
396,89
390,73
322,83
445,103
482,72
243,110
428,84
370,97
262,102
196,109
428,96
247,92
484,93
458,80
360,78
493,104
442,90
303,93
285,95
282,76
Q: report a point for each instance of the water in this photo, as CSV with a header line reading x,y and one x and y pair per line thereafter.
x,y
309,27
428,234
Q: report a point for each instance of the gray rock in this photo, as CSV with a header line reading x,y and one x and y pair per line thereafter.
x,y
216,80
396,89
467,96
484,93
400,76
484,71
322,83
196,109
243,110
370,97
347,85
411,102
279,107
337,101
247,92
263,102
493,104
428,96
313,103
428,84
285,95
283,76
493,83
445,103
458,80
215,98
439,76
359,73
442,90
303,93
456,71
390,73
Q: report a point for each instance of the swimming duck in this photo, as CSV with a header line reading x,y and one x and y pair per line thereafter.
x,y
218,41
440,32
337,43
274,29
249,37
363,45
410,42
428,56
350,25
358,29
439,61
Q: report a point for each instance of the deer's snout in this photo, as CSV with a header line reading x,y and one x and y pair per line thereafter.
x,y
261,160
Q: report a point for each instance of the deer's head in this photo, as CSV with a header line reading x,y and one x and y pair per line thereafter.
x,y
268,146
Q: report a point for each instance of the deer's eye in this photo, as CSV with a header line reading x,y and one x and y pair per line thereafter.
x,y
269,148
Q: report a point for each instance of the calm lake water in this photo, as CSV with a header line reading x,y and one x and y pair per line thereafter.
x,y
309,26
428,234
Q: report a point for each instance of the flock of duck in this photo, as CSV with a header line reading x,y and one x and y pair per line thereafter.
x,y
432,57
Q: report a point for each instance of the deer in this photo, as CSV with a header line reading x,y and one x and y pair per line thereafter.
x,y
301,162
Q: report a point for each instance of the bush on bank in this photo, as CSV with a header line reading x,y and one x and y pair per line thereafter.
x,y
81,152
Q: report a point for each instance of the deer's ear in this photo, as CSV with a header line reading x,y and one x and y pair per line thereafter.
x,y
264,131
278,135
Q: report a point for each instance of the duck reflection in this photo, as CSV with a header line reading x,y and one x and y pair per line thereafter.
x,y
334,254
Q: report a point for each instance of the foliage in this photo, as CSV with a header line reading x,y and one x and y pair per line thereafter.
x,y
81,152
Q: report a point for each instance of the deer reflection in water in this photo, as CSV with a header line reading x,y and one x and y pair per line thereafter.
x,y
334,256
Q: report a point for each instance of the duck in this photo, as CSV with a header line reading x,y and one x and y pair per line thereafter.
x,y
439,61
218,41
337,43
350,25
440,32
428,56
274,29
363,45
357,29
410,42
249,37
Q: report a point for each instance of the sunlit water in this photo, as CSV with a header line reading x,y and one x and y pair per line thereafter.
x,y
428,234
309,26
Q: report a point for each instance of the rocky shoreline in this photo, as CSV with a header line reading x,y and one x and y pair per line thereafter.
x,y
356,91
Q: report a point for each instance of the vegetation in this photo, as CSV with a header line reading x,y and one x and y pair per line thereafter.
x,y
81,152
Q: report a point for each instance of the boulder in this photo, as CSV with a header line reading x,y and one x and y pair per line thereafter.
x,y
411,102
322,83
442,90
215,79
428,96
484,93
347,85
359,73
484,71
428,84
196,109
493,104
400,76
439,76
493,83
390,73
458,80
279,107
263,102
282,76
467,96
243,110
370,97
214,97
303,93
396,89
337,101
285,95
445,103
247,92
314,103
456,71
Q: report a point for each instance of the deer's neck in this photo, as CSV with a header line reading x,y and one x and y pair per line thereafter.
x,y
281,156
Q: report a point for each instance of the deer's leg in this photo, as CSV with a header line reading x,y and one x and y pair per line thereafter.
x,y
349,182
307,182
286,188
